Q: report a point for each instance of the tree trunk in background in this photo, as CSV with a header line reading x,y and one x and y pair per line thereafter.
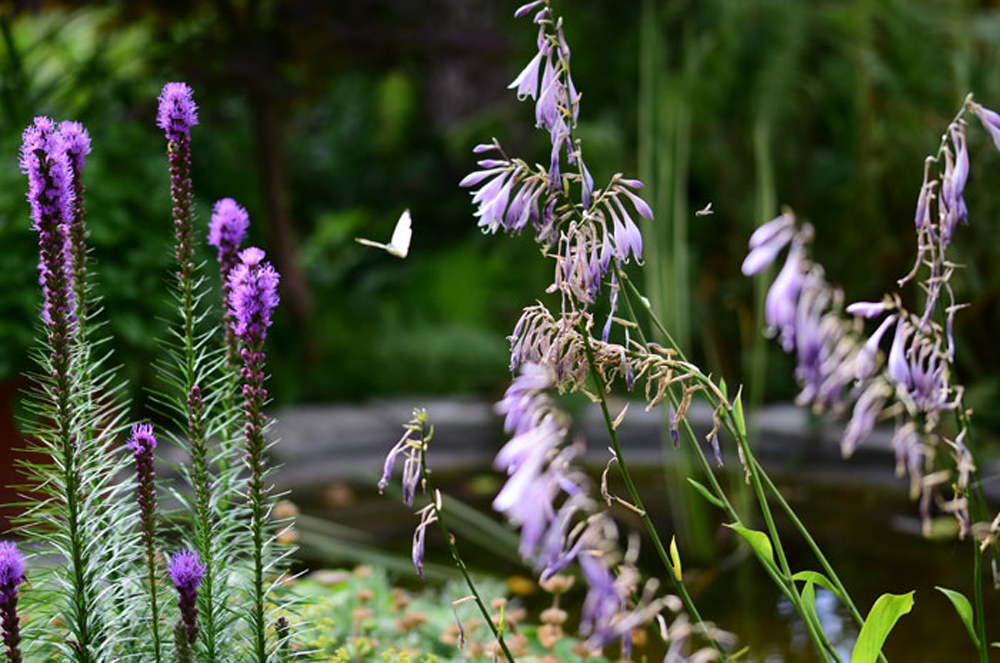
x,y
269,143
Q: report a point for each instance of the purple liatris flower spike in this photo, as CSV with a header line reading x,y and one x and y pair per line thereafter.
x,y
253,297
177,112
142,444
186,572
46,162
11,575
226,232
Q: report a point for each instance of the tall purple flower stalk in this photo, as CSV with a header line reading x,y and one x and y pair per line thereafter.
x,y
253,297
186,572
840,371
46,160
512,194
142,444
226,232
11,576
177,115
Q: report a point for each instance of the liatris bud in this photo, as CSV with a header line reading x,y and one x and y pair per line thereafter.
x,y
11,575
226,231
77,143
45,161
176,116
186,572
142,444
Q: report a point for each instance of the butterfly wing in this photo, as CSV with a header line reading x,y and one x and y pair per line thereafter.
x,y
399,245
377,245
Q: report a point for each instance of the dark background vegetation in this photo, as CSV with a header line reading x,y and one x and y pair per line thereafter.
x,y
327,119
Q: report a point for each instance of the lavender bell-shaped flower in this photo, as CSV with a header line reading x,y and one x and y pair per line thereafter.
x,y
11,576
990,121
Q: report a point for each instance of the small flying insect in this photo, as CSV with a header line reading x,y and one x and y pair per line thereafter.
x,y
399,245
706,211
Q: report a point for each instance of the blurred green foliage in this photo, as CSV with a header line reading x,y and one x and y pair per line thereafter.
x,y
380,104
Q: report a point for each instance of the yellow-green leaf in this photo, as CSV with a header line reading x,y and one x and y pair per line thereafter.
x,y
757,540
964,610
816,578
741,424
704,492
675,559
882,617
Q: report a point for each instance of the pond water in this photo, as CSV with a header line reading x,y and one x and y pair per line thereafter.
x,y
869,532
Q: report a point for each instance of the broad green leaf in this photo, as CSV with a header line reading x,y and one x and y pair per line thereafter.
x,y
741,424
675,559
964,610
757,540
817,578
704,492
882,617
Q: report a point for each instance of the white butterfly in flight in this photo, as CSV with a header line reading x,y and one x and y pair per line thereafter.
x,y
399,245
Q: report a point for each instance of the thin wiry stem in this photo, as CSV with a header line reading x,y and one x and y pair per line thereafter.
x,y
452,547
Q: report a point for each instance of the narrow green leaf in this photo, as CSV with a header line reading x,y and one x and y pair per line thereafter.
x,y
704,492
817,578
757,540
964,610
723,388
882,617
809,602
741,424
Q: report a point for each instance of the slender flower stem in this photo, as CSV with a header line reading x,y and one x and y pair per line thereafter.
x,y
450,540
634,493
977,576
785,582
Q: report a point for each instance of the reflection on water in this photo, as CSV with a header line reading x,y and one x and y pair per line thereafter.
x,y
866,532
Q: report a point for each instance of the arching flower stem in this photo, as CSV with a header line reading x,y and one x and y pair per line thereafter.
x,y
437,507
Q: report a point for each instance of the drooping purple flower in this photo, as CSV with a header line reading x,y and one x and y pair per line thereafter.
x,y
990,121
186,572
865,362
780,305
177,111
868,309
411,466
899,366
253,285
767,241
866,413
12,568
